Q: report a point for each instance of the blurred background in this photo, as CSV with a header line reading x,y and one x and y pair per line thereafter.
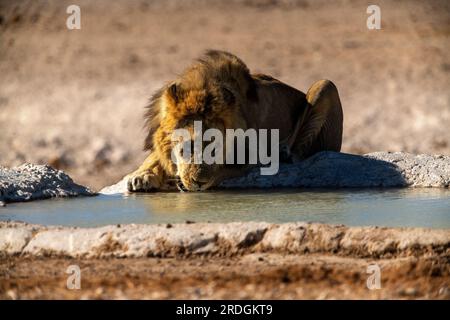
x,y
75,98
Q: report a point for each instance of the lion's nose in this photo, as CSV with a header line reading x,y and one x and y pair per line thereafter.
x,y
196,185
181,186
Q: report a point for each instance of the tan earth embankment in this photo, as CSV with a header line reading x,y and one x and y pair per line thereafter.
x,y
234,260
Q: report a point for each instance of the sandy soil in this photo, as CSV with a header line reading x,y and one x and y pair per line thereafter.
x,y
75,98
254,276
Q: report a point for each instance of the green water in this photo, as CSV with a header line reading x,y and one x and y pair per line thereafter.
x,y
387,207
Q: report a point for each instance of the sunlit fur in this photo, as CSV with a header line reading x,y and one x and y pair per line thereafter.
x,y
213,90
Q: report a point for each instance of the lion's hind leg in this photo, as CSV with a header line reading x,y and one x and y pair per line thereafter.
x,y
322,125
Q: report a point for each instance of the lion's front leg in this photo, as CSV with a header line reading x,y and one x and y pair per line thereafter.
x,y
143,181
149,177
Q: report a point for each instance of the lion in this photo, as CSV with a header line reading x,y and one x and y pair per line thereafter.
x,y
219,90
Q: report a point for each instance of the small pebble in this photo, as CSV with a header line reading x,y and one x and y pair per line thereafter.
x,y
409,292
444,291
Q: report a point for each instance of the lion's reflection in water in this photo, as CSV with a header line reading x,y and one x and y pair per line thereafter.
x,y
239,205
393,207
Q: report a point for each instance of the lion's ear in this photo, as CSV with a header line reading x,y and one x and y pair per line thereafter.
x,y
174,92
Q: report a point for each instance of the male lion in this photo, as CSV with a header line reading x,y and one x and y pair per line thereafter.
x,y
219,90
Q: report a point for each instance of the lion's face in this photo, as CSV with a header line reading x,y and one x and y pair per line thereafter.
x,y
213,107
194,176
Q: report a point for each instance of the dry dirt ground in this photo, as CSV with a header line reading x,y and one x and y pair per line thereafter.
x,y
75,98
253,276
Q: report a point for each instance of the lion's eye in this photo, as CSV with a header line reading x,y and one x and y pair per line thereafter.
x,y
209,99
228,96
208,103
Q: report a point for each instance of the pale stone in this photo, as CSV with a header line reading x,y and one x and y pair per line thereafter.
x,y
337,170
220,239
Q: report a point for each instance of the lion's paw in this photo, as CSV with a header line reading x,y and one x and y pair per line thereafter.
x,y
142,181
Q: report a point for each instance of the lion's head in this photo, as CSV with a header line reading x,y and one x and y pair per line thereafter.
x,y
213,90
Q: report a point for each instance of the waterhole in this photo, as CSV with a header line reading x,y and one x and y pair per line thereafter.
x,y
367,207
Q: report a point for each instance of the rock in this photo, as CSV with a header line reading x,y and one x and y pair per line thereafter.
x,y
221,239
12,241
444,292
31,182
119,187
410,292
337,170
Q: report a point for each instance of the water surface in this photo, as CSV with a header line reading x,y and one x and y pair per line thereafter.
x,y
385,207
